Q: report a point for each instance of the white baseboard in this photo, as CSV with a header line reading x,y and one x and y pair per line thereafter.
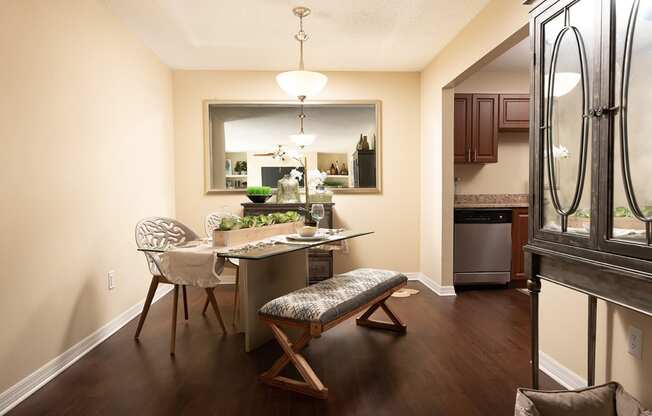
x,y
559,373
27,386
431,284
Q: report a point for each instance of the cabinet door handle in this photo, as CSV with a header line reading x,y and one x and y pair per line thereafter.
x,y
468,152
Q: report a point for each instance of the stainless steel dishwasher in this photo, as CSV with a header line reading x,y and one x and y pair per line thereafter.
x,y
483,246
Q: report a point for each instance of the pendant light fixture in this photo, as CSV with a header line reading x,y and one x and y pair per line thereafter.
x,y
302,139
301,83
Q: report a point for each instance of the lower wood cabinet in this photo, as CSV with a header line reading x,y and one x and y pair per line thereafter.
x,y
519,240
320,262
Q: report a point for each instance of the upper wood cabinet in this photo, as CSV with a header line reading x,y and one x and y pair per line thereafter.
x,y
476,128
478,117
485,128
514,112
463,127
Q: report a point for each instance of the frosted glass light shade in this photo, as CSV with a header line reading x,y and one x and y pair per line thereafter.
x,y
303,139
565,82
301,83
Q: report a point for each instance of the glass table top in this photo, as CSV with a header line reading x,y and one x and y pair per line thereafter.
x,y
252,252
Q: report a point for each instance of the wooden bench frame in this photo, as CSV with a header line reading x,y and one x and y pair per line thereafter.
x,y
311,384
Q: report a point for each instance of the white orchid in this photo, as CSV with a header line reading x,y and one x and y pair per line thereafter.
x,y
316,178
296,174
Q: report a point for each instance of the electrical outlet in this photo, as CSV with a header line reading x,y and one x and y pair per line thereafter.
x,y
111,280
634,341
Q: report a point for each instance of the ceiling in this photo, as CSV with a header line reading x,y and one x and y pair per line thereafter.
x,y
378,35
515,59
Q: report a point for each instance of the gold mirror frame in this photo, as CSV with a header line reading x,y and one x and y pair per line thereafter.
x,y
208,160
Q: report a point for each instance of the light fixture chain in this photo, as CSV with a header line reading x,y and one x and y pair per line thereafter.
x,y
302,115
301,37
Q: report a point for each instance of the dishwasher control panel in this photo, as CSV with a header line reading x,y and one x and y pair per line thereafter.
x,y
483,216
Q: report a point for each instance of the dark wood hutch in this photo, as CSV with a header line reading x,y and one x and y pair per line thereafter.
x,y
590,158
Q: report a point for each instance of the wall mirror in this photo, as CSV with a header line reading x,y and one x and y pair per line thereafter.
x,y
347,147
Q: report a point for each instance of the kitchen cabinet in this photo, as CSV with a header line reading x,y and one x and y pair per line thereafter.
x,y
519,240
479,117
476,128
463,127
485,128
591,212
514,112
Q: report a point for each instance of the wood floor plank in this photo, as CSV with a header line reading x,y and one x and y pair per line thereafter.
x,y
463,355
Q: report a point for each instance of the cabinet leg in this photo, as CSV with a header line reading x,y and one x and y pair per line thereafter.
x,y
534,288
593,313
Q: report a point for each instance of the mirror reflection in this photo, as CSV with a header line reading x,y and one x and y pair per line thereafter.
x,y
243,136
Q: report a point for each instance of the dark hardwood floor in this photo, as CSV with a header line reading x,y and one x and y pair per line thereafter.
x,y
463,355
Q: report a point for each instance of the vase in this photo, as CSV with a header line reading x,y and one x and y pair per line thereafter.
x,y
287,191
321,195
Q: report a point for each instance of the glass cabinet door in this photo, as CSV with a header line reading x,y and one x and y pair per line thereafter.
x,y
567,46
629,226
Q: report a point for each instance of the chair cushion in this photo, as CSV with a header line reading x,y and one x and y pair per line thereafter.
x,y
332,298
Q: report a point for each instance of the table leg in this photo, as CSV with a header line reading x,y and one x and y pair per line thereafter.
x,y
262,281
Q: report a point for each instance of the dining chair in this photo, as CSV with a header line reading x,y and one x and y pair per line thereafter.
x,y
162,233
211,223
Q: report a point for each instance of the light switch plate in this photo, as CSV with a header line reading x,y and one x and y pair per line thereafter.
x,y
634,341
111,280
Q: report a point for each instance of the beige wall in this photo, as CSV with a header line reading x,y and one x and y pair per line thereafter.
x,y
478,43
510,174
87,142
563,337
389,214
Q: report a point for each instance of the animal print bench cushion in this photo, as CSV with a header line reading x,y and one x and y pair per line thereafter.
x,y
327,300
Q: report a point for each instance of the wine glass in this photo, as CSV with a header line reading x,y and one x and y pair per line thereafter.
x,y
317,213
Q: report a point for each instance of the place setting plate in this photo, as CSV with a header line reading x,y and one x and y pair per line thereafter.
x,y
297,237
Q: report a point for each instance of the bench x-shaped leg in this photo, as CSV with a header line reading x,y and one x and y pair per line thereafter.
x,y
396,324
311,385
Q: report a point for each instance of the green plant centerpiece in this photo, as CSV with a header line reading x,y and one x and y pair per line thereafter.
x,y
259,194
253,221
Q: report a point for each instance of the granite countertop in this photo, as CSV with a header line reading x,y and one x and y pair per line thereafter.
x,y
492,201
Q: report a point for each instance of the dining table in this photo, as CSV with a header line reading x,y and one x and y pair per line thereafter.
x,y
268,269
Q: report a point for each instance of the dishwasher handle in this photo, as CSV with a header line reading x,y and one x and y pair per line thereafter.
x,y
483,216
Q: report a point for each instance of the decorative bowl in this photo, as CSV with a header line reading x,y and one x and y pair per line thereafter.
x,y
307,231
258,199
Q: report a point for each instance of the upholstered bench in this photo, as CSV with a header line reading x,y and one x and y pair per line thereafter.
x,y
322,306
